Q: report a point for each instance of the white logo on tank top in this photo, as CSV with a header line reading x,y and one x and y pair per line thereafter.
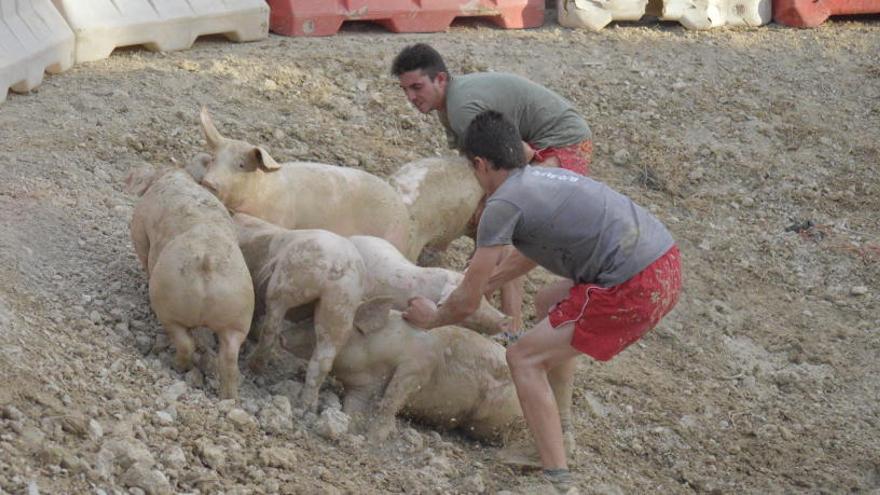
x,y
550,175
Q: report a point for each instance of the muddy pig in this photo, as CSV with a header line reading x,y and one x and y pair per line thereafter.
x,y
389,273
295,268
197,276
449,377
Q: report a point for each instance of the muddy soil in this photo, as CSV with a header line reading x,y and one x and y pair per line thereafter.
x,y
759,149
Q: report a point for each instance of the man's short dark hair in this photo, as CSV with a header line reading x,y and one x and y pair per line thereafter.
x,y
420,56
492,137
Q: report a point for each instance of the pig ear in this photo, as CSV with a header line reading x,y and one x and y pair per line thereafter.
x,y
139,179
265,161
372,315
212,135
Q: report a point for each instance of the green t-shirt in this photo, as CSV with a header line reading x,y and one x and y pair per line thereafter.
x,y
544,119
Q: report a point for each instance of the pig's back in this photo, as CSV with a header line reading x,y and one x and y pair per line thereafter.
x,y
349,197
200,278
179,204
390,273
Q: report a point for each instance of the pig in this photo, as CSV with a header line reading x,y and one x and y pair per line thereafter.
x,y
442,195
449,377
185,240
389,273
427,202
295,268
302,195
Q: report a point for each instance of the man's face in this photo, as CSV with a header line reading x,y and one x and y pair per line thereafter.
x,y
481,172
424,94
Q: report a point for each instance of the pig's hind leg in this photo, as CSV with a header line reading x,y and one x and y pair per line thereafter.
x,y
270,327
184,345
334,319
227,361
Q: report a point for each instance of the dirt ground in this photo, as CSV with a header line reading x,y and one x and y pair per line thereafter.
x,y
759,148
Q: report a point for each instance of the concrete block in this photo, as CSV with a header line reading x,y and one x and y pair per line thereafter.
x,y
101,26
33,39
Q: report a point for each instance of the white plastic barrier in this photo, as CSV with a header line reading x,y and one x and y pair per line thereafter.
x,y
705,14
164,25
33,39
596,14
692,14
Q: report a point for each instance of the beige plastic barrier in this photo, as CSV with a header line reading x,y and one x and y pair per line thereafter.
x,y
33,39
160,25
692,14
705,14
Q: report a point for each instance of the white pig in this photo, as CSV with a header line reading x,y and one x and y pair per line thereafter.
x,y
186,243
448,377
293,268
302,195
389,273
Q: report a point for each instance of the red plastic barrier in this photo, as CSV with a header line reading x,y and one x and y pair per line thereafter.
x,y
325,17
811,13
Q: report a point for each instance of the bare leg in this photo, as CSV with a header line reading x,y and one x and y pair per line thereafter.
x,y
511,303
551,294
530,359
561,377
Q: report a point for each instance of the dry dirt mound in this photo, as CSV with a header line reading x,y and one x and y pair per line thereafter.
x,y
759,148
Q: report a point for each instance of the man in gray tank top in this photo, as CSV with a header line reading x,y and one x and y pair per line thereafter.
x,y
619,267
551,131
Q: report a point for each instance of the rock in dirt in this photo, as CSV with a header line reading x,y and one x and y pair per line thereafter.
x,y
332,424
151,481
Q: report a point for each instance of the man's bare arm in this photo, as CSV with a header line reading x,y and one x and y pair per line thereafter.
x,y
514,265
464,300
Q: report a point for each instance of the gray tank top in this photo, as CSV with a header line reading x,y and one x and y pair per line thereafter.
x,y
573,226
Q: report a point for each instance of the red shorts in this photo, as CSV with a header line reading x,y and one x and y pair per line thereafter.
x,y
576,157
608,319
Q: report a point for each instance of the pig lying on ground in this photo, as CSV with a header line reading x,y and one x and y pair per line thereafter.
x,y
302,195
449,377
428,202
293,268
390,274
187,244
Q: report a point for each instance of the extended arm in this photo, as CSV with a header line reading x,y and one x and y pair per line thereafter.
x,y
514,265
464,300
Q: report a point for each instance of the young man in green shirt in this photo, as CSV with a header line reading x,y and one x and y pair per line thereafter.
x,y
552,133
